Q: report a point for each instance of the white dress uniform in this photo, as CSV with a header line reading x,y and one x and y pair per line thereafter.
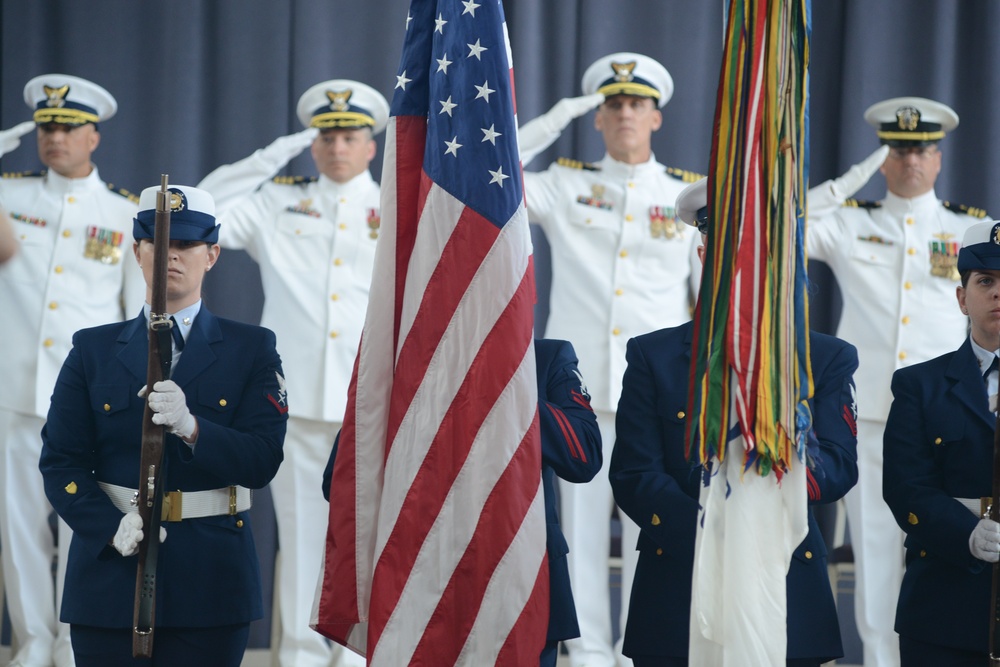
x,y
622,265
895,262
73,269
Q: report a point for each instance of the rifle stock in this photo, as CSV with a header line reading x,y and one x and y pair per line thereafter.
x,y
150,494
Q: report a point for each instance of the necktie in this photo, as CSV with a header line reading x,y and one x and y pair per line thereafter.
x,y
175,331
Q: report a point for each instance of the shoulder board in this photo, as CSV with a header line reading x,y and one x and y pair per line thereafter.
x,y
861,203
577,164
684,175
294,180
23,174
134,198
967,210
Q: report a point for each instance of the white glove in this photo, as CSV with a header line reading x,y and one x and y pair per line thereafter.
x,y
281,151
126,540
984,542
11,139
170,408
536,135
831,194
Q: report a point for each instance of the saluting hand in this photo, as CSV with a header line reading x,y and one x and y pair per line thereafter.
x,y
11,139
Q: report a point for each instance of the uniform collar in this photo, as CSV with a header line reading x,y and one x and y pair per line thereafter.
x,y
983,356
62,185
328,186
183,317
616,169
897,204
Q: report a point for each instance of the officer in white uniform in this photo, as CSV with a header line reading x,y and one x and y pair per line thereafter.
x,y
622,265
314,240
72,270
896,263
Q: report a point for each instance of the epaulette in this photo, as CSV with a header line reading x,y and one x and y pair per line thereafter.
x,y
861,203
23,174
124,193
967,210
293,180
684,175
577,164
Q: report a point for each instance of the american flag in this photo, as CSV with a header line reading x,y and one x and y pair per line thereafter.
x,y
436,541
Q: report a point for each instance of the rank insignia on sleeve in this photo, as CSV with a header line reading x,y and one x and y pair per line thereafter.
x,y
104,245
279,399
374,221
663,222
71,488
596,198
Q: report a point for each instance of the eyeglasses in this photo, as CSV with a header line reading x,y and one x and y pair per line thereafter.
x,y
921,152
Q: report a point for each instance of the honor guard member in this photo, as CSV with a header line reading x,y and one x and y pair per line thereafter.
x,y
74,234
656,484
224,409
314,240
622,265
895,261
939,441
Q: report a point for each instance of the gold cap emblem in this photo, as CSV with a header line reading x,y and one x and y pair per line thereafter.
x,y
339,100
56,96
907,118
623,71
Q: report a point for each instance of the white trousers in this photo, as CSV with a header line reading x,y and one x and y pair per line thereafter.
x,y
585,515
301,514
877,542
27,547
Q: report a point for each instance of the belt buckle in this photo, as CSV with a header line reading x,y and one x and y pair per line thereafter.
x,y
173,506
232,500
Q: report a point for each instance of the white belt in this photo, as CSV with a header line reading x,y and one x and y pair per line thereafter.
x,y
977,506
180,505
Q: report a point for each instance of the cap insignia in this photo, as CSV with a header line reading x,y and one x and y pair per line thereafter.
x,y
56,96
907,118
623,71
177,200
339,100
995,234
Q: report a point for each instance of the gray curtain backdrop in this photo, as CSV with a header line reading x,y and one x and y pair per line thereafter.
x,y
201,83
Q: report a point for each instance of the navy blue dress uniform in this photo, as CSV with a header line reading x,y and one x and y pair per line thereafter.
x,y
208,576
571,450
938,451
659,488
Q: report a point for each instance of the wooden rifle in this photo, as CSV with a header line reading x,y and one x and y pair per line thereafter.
x,y
150,494
993,514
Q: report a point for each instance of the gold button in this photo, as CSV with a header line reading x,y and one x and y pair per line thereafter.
x,y
333,334
107,407
223,402
659,552
628,218
809,555
619,292
588,221
655,520
58,269
923,554
906,319
343,200
53,305
342,225
907,285
48,342
298,231
631,184
909,220
71,200
334,297
911,251
681,414
902,355
616,331
239,523
338,262
623,253
66,233
937,441
913,519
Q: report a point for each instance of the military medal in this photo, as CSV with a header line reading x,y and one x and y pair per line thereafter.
x,y
944,257
304,208
374,220
596,198
104,245
663,222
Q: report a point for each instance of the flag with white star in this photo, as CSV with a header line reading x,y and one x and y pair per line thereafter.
x,y
436,540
